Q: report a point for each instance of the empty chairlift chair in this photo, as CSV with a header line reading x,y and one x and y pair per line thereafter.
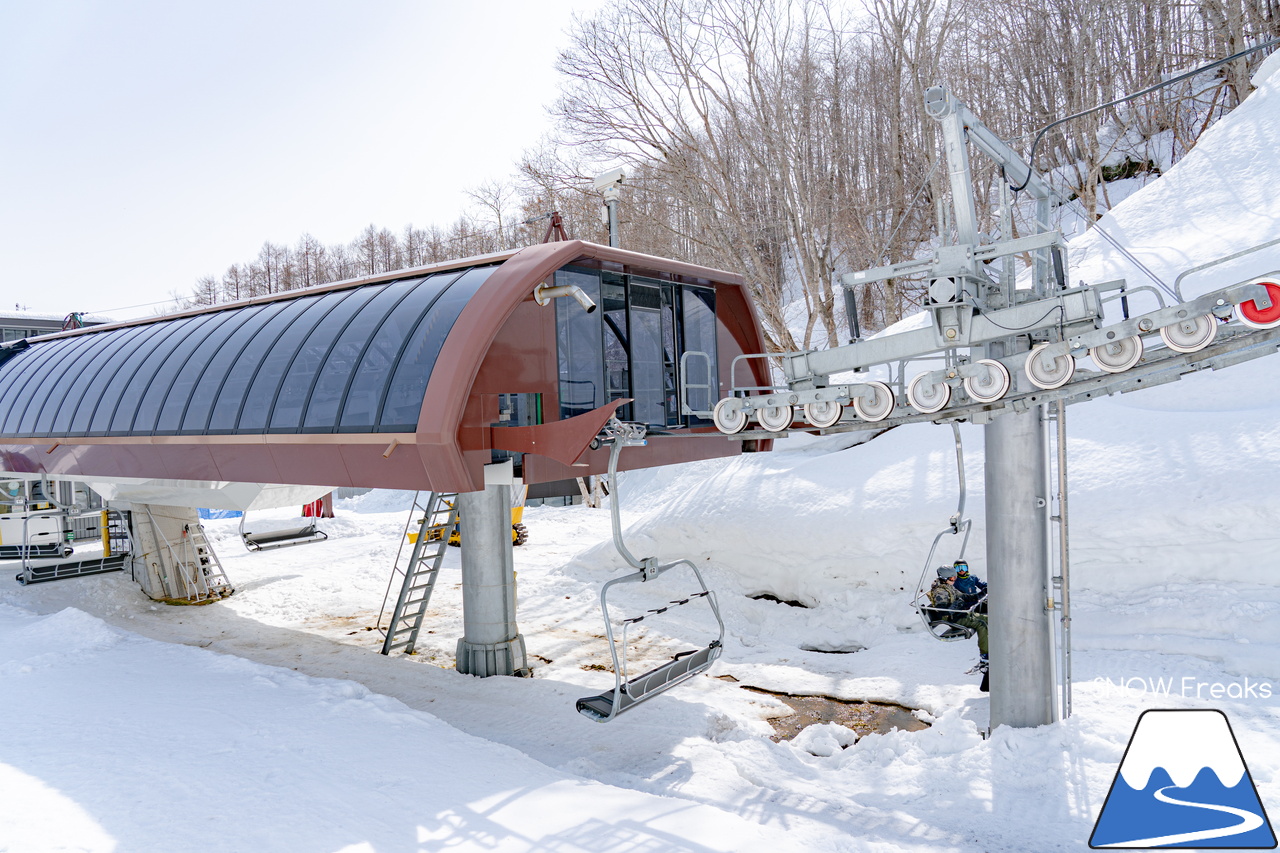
x,y
627,691
283,538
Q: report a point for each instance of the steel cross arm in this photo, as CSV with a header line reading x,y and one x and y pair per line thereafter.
x,y
1064,309
941,104
898,270
989,252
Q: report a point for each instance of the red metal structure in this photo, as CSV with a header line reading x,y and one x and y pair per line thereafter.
x,y
413,379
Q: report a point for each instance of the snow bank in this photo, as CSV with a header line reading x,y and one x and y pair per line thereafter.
x,y
241,756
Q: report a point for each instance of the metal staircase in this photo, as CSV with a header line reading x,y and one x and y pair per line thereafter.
x,y
418,576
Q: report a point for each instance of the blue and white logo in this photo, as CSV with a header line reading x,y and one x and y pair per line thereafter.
x,y
1183,783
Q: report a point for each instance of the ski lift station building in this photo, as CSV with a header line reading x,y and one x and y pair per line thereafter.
x,y
414,379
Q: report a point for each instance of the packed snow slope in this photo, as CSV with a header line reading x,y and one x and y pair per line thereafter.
x,y
285,731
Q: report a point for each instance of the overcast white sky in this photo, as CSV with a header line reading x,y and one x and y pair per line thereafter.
x,y
145,144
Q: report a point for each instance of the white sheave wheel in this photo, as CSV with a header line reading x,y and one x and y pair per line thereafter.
x,y
824,414
1117,356
928,397
775,418
878,406
1190,335
990,385
1049,372
729,417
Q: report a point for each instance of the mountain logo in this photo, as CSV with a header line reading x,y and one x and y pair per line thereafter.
x,y
1183,783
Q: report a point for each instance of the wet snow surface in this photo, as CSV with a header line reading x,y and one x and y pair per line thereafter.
x,y
269,723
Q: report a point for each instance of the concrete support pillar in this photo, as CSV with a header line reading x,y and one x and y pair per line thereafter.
x,y
1021,641
174,562
491,643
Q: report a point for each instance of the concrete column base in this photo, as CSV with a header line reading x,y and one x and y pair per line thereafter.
x,y
486,659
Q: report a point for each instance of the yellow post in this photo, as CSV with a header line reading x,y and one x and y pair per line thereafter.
x,y
106,535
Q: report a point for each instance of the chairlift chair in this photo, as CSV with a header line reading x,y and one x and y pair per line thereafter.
x,y
935,619
285,538
628,692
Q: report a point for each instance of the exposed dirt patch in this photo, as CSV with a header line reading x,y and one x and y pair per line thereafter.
x,y
863,717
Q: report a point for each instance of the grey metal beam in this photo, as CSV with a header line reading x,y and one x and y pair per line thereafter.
x,y
1021,644
491,643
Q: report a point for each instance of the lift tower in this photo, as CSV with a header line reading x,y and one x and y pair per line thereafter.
x,y
1017,496
996,354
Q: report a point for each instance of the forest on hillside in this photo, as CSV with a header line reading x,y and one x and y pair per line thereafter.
x,y
786,139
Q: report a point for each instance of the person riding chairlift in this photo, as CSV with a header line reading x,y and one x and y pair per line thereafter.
x,y
950,604
973,588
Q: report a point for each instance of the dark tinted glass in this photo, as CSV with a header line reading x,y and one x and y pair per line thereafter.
x,y
96,406
617,362
157,392
18,374
699,332
363,398
326,398
37,392
301,375
409,381
579,347
266,385
10,373
145,370
185,384
62,404
215,374
646,354
226,411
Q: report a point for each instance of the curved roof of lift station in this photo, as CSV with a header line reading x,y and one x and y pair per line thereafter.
x,y
386,381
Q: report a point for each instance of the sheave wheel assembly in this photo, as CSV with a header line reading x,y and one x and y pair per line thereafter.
x,y
824,414
1117,356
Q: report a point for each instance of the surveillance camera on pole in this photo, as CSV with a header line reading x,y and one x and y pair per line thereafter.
x,y
609,185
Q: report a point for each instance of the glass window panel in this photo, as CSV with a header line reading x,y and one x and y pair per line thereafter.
x,y
53,419
326,398
216,373
157,392
226,411
265,388
18,370
186,384
302,374
646,354
15,370
363,396
102,394
7,401
36,390
670,388
617,362
145,370
698,330
409,382
579,347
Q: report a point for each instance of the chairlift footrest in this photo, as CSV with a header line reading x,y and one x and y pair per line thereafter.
x,y
685,665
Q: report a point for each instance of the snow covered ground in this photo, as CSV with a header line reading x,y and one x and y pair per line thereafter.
x,y
267,722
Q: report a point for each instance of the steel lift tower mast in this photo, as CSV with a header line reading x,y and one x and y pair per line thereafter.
x,y
1017,489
